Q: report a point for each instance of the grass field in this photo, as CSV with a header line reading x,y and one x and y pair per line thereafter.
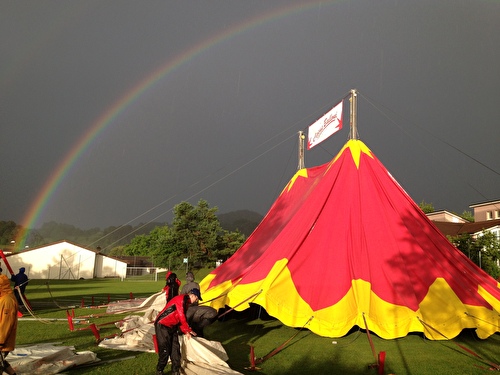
x,y
305,353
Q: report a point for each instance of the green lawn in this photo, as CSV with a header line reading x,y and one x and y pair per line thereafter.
x,y
306,353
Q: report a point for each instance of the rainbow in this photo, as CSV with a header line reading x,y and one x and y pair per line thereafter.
x,y
37,207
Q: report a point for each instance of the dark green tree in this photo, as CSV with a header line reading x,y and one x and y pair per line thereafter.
x,y
141,245
8,232
195,234
117,251
467,215
427,208
483,250
196,231
229,242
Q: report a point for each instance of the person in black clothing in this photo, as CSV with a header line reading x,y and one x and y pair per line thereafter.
x,y
198,317
171,287
20,282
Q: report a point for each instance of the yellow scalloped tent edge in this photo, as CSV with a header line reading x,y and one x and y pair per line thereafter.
x,y
445,315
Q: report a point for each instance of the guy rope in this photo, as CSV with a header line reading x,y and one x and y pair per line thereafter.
x,y
494,366
380,359
255,361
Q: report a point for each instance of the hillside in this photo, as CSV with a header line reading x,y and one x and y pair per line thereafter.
x,y
243,220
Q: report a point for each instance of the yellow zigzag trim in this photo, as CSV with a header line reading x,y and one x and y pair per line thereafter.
x,y
357,147
440,309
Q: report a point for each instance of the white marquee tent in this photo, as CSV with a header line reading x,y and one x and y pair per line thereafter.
x,y
65,260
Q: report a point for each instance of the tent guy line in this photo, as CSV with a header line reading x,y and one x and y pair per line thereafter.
x,y
244,164
188,198
459,178
275,145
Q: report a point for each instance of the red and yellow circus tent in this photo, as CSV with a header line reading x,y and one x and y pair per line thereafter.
x,y
344,244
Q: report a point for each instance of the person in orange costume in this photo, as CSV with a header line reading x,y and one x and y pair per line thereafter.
x,y
167,323
8,323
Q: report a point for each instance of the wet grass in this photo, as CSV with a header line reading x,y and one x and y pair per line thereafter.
x,y
304,353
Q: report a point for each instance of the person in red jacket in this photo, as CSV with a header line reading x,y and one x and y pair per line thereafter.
x,y
167,324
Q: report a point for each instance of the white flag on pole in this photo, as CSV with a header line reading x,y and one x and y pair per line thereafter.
x,y
324,127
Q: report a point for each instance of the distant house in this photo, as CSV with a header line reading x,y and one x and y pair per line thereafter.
x,y
136,261
474,229
486,211
445,216
486,216
140,265
65,260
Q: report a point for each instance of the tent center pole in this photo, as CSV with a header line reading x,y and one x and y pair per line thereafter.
x,y
353,132
302,163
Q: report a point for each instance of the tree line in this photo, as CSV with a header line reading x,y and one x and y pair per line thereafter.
x,y
196,235
52,231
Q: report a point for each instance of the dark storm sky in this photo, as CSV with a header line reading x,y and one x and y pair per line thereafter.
x,y
245,76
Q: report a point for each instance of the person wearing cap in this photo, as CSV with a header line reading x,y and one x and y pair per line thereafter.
x,y
167,323
20,282
8,323
198,317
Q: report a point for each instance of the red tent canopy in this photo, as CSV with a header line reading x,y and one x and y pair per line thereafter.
x,y
344,243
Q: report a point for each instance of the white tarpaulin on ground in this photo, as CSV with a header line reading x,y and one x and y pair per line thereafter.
x,y
199,356
47,359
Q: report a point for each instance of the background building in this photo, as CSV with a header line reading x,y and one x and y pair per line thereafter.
x,y
65,260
